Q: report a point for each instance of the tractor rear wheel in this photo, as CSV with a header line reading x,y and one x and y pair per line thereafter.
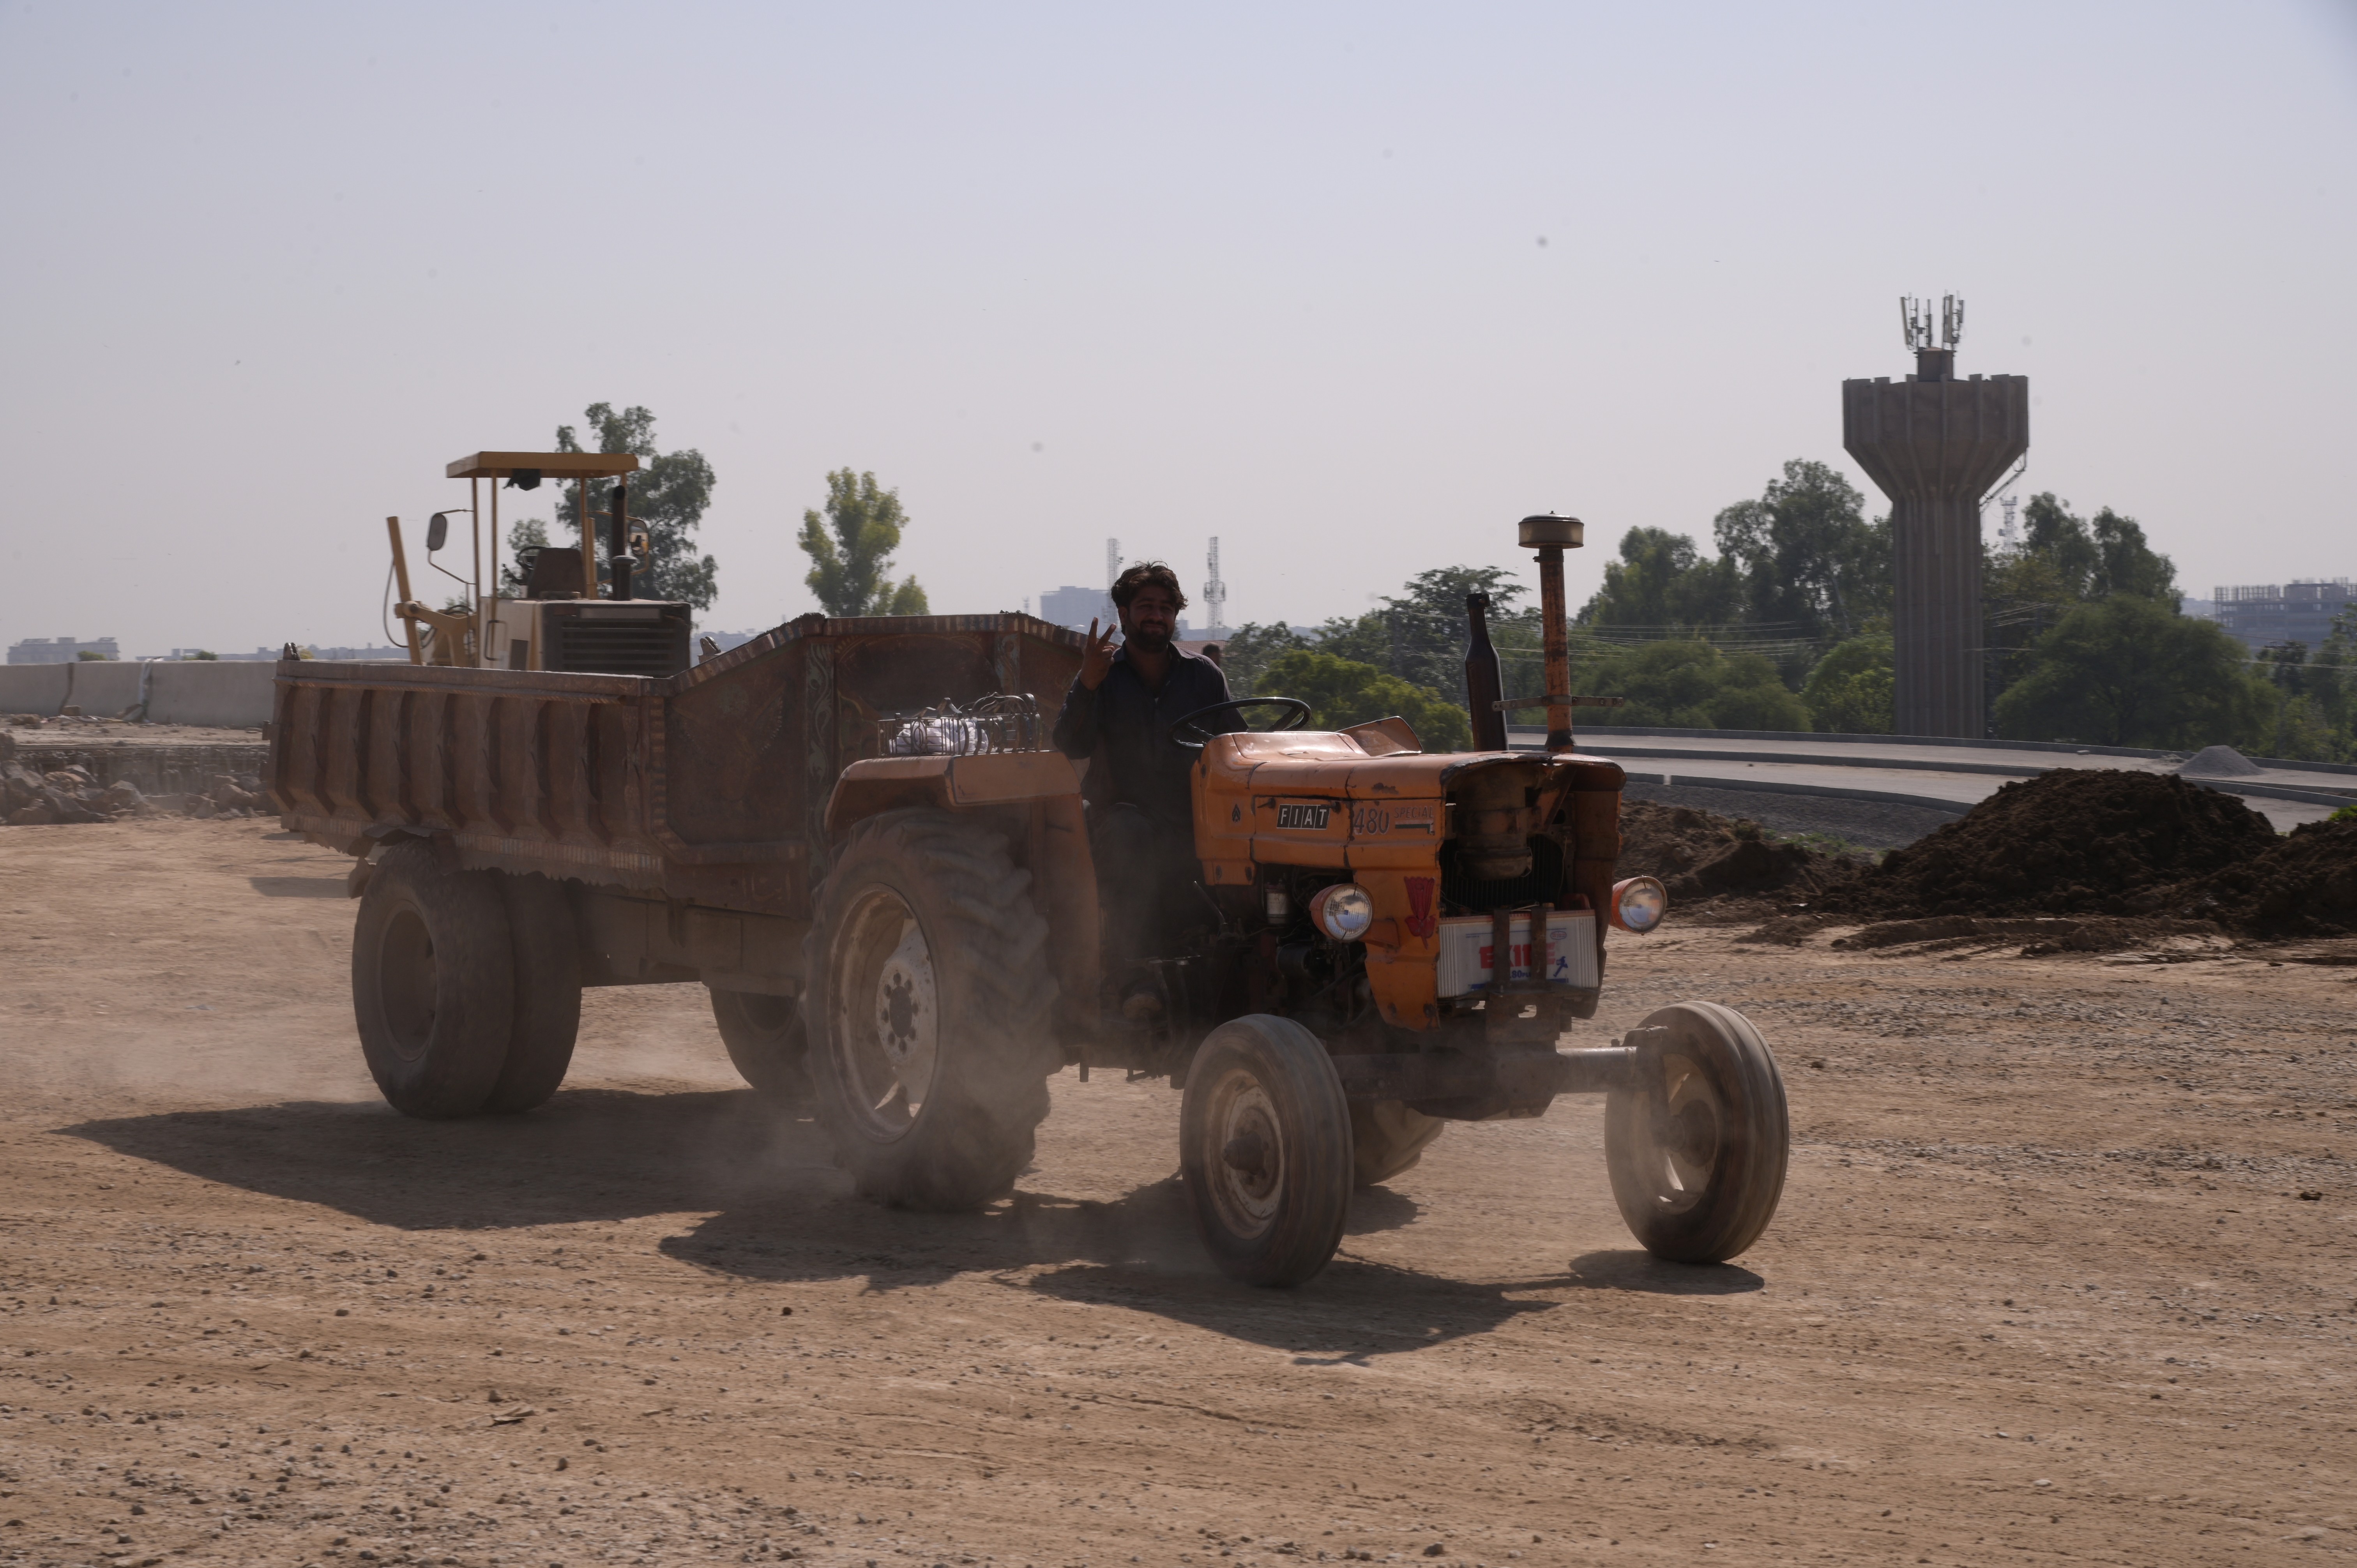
x,y
1388,1136
1698,1147
766,1041
929,1010
433,982
1264,1145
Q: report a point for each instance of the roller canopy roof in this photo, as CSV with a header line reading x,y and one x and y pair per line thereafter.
x,y
548,465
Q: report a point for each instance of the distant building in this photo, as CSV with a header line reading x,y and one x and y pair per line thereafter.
x,y
1076,607
2197,610
357,655
60,650
2268,615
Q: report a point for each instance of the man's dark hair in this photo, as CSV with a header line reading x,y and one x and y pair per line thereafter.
x,y
1147,575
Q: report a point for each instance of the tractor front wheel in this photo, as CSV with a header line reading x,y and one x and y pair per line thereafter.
x,y
1696,1146
1264,1145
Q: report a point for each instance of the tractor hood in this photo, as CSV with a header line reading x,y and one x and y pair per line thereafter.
x,y
1366,797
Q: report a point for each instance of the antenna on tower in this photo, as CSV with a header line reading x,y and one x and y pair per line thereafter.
x,y
1915,322
1916,326
1215,592
2008,533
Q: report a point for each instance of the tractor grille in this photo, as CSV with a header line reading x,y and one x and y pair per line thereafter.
x,y
603,644
1547,882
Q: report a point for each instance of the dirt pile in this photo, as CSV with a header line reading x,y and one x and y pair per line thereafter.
x,y
2073,842
2303,885
1701,856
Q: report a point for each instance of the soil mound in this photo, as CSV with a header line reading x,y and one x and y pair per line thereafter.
x,y
1701,856
2304,884
2073,842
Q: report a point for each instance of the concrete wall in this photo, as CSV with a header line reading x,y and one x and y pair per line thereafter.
x,y
202,692
32,688
220,693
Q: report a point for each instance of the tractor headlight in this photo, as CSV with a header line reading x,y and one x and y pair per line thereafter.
x,y
1344,911
1639,903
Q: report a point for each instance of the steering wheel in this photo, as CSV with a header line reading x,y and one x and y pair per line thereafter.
x,y
1297,713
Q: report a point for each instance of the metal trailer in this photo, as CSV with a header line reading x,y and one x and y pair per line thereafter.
x,y
680,823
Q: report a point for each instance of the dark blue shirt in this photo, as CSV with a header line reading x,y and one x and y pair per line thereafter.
x,y
1124,726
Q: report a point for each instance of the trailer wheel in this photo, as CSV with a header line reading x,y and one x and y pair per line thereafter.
x,y
1265,1144
1388,1136
433,983
1697,1148
766,1041
547,994
929,1010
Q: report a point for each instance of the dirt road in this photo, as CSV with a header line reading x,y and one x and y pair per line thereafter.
x,y
2043,1287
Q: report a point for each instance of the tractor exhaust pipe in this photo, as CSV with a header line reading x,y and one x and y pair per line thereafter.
x,y
617,540
1484,689
1551,535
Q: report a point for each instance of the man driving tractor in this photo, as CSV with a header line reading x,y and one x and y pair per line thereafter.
x,y
1119,715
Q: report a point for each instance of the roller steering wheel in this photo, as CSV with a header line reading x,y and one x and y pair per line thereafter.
x,y
1297,713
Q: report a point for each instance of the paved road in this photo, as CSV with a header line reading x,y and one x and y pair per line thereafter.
x,y
1952,778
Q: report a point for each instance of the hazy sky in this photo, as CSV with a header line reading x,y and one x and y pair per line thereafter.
x,y
1350,286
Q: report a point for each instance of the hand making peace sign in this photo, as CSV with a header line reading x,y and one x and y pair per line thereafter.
x,y
1096,662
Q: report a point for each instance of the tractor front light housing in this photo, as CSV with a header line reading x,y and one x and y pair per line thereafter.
x,y
1344,911
1639,903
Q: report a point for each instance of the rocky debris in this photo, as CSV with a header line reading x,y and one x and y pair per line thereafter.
x,y
237,794
1701,856
58,795
2073,842
2219,762
71,794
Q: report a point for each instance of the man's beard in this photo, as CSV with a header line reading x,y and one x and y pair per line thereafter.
x,y
1146,641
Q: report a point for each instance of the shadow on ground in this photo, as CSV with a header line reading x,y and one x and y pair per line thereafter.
x,y
1631,1269
777,1210
301,887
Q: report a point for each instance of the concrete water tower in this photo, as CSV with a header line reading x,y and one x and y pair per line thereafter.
x,y
1935,445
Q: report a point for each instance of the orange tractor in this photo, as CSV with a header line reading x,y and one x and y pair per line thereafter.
x,y
854,835
1386,941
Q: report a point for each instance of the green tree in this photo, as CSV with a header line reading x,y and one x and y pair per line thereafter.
x,y
2124,671
668,495
2126,563
1344,692
851,550
2063,560
1852,690
1662,582
1689,685
1419,633
1250,648
1809,558
2312,710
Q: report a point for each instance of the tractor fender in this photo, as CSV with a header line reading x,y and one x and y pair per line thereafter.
x,y
879,784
